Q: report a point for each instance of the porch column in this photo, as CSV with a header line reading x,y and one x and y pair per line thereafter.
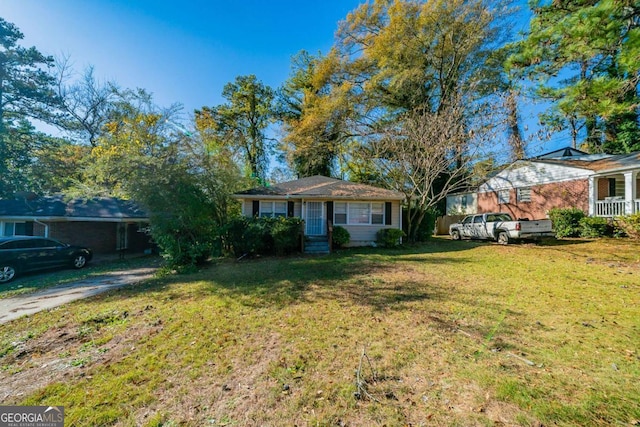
x,y
593,195
629,192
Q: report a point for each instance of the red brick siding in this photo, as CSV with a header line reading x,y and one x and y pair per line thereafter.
x,y
569,194
101,237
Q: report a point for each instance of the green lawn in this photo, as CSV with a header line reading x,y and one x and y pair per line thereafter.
x,y
447,333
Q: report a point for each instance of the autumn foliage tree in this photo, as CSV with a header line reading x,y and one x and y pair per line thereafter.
x,y
241,123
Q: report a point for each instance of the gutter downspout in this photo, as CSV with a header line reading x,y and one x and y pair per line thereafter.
x,y
46,227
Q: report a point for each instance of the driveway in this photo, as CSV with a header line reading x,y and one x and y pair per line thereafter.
x,y
18,306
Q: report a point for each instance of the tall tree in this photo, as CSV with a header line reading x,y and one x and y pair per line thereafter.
x,y
419,157
26,92
314,116
584,56
86,103
409,65
26,86
242,122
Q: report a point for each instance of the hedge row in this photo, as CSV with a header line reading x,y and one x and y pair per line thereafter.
x,y
573,222
263,236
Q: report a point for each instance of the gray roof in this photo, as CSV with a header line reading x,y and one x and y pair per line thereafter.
x,y
600,162
322,187
56,207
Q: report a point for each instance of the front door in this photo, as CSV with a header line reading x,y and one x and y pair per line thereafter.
x,y
315,219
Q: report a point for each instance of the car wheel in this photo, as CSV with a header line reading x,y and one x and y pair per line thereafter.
x,y
455,235
7,273
79,261
503,238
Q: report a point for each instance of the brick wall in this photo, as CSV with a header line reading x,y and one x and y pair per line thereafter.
x,y
101,237
569,194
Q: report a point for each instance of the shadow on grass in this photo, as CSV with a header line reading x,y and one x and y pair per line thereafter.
x,y
363,276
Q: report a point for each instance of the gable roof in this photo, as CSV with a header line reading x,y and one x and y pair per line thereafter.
x,y
55,207
599,162
318,187
563,152
543,170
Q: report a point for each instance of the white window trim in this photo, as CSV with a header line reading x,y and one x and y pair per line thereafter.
x,y
273,208
384,215
2,224
504,200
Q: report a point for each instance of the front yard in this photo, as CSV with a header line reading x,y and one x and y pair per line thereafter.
x,y
448,333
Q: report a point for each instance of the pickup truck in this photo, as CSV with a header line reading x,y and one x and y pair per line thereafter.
x,y
500,227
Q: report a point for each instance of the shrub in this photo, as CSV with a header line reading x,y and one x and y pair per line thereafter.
x,y
262,236
595,227
340,236
630,225
566,222
389,237
285,233
424,231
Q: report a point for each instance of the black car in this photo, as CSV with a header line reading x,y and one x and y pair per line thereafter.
x,y
25,253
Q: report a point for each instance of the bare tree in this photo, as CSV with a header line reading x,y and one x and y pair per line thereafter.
x,y
86,102
427,156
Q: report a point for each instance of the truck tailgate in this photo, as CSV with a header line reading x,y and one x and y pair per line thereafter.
x,y
536,226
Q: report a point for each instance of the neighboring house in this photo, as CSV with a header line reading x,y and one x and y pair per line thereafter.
x,y
599,184
320,201
462,203
106,225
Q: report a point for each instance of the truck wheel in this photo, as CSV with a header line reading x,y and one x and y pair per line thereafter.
x,y
503,238
455,235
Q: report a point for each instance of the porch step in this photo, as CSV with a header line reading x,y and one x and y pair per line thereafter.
x,y
316,245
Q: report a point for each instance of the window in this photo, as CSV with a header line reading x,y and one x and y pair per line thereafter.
x,y
377,213
12,229
503,197
524,194
477,219
359,213
273,209
339,213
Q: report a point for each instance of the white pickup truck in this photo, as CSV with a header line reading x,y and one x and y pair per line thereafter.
x,y
500,227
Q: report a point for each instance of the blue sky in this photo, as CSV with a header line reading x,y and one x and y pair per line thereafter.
x,y
182,52
185,52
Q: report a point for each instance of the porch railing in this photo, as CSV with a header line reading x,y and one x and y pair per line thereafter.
x,y
611,208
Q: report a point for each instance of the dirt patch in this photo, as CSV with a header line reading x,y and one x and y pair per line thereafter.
x,y
60,354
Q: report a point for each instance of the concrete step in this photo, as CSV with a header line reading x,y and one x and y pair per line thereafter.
x,y
316,246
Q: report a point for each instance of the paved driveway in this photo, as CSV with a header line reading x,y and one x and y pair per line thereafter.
x,y
14,307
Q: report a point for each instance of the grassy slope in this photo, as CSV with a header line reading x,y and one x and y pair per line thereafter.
x,y
455,333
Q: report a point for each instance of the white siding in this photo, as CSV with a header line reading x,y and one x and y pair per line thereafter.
x,y
464,203
527,174
361,235
365,235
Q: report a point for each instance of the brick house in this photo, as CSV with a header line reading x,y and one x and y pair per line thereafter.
x,y
106,224
600,184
